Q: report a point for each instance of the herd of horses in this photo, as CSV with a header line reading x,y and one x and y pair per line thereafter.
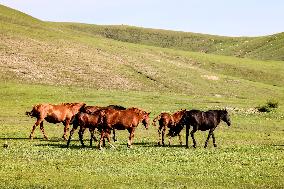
x,y
114,117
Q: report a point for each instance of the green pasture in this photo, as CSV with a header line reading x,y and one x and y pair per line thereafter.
x,y
249,153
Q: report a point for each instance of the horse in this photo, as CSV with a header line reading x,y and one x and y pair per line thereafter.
x,y
92,109
64,113
121,120
85,120
169,121
202,121
89,118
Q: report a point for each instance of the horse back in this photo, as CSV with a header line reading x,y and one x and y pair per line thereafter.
x,y
165,120
120,119
203,120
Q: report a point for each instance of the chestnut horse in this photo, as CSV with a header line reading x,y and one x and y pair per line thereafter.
x,y
121,120
203,121
89,118
168,121
92,109
64,113
85,120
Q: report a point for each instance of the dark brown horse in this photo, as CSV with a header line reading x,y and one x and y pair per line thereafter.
x,y
64,113
203,121
121,120
168,121
89,118
85,120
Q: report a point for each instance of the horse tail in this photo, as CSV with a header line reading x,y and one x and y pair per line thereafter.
x,y
156,119
76,119
28,113
32,113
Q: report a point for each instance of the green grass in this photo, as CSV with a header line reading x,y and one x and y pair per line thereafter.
x,y
150,69
249,153
265,47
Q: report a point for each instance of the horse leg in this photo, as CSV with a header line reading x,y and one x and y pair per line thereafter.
x,y
163,136
192,136
208,137
34,127
42,130
180,141
70,135
108,139
114,137
170,140
81,133
214,141
66,129
159,131
131,135
187,134
92,136
101,139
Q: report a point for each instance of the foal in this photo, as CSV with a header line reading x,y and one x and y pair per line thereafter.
x,y
169,121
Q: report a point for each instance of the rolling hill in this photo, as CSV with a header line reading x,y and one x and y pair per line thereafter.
x,y
131,58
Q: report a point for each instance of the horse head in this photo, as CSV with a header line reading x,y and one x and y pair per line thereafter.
x,y
225,117
145,119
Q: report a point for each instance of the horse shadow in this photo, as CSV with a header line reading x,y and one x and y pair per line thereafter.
x,y
155,144
60,145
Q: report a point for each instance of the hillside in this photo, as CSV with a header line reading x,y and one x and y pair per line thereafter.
x,y
266,47
37,52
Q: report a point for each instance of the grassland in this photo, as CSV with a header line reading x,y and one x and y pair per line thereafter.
x,y
59,62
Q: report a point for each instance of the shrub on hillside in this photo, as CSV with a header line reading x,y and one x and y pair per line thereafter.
x,y
268,107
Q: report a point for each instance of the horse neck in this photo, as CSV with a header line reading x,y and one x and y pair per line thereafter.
x,y
219,117
178,115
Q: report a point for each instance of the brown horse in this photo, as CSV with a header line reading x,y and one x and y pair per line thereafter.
x,y
89,118
203,121
85,120
168,121
121,120
64,113
92,109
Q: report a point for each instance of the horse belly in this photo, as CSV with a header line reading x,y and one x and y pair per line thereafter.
x,y
52,119
204,127
119,127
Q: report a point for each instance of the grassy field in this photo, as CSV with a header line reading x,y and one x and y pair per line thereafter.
x,y
249,153
59,62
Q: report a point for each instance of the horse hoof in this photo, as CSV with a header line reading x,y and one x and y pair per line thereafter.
x,y
194,146
159,144
215,145
112,147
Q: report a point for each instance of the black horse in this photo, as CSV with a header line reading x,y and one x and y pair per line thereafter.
x,y
203,121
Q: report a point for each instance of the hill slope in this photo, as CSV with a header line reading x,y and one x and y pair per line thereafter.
x,y
39,52
266,47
